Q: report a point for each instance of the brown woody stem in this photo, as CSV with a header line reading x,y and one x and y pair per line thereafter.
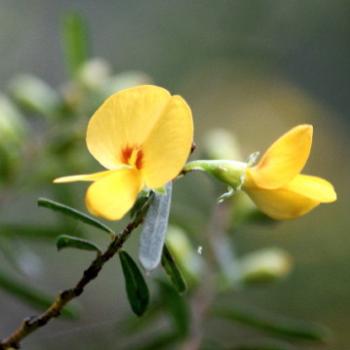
x,y
31,324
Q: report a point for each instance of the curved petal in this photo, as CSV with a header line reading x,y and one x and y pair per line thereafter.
x,y
83,177
313,187
168,145
281,204
284,159
125,119
112,196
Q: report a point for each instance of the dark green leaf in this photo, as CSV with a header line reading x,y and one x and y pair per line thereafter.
x,y
74,213
30,295
172,270
177,307
275,326
75,42
136,286
65,241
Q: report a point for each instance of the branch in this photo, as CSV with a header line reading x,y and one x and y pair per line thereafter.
x,y
31,324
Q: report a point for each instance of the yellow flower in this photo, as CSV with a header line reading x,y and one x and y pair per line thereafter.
x,y
143,136
275,183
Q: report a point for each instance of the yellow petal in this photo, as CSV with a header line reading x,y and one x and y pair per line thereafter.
x,y
112,196
125,119
168,145
313,187
83,177
281,204
284,159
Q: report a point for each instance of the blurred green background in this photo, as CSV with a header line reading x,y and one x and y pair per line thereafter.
x,y
255,68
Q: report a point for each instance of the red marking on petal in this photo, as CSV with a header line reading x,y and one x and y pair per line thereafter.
x,y
126,154
132,156
139,159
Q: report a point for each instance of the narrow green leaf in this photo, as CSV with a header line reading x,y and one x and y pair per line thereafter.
x,y
74,213
136,286
30,295
75,42
177,307
65,241
275,326
173,271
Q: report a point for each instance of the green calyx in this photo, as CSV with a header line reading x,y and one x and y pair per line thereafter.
x,y
229,171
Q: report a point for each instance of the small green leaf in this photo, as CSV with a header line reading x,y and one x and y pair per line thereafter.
x,y
75,42
30,295
136,286
74,213
65,241
177,307
276,326
173,271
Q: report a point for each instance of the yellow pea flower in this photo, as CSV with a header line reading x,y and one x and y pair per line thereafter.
x,y
275,183
142,136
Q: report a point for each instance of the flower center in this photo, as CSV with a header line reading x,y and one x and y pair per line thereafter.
x,y
132,156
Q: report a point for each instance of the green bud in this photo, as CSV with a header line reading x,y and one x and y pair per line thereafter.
x,y
267,265
12,123
221,144
35,95
94,74
229,171
12,132
124,80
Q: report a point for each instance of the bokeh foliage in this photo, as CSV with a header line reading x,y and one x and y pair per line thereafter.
x,y
61,117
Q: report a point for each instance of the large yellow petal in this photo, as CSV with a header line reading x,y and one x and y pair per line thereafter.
x,y
168,145
284,159
112,196
313,187
281,204
125,119
83,177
